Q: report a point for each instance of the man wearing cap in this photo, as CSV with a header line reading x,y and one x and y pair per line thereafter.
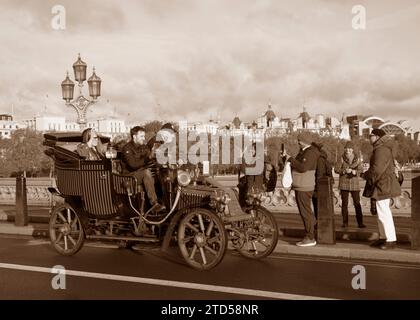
x,y
303,174
381,175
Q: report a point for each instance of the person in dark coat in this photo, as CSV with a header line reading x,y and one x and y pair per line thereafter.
x,y
303,174
381,175
349,170
323,169
136,155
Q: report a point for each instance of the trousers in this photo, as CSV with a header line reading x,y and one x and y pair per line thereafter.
x,y
357,207
385,221
144,176
303,200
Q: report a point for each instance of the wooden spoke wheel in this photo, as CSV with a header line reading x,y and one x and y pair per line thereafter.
x,y
66,231
261,236
202,239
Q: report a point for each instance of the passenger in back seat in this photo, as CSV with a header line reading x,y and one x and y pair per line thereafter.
x,y
91,147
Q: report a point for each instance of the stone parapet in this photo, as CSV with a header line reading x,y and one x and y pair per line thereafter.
x,y
37,191
283,200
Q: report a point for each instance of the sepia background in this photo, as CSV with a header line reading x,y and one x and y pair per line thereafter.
x,y
200,59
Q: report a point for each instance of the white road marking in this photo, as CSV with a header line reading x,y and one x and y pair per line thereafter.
x,y
348,261
37,242
40,242
168,283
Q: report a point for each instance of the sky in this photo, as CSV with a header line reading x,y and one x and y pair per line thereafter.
x,y
200,59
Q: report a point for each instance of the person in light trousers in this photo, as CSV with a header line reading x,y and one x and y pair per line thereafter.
x,y
381,175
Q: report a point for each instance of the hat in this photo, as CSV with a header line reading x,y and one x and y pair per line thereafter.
x,y
168,126
378,132
304,137
349,145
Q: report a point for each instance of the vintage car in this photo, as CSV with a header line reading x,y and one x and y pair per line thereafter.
x,y
100,203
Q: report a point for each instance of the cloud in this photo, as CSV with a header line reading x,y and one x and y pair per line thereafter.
x,y
200,59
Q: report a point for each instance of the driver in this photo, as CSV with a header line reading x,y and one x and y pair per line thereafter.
x,y
136,155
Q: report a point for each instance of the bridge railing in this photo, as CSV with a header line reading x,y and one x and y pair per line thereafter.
x,y
283,200
36,188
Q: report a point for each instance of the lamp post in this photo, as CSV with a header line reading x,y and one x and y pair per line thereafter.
x,y
81,104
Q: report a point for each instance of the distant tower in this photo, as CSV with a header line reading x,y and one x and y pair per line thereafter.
x,y
305,117
236,122
269,115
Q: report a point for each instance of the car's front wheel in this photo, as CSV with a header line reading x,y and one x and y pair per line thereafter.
x,y
202,239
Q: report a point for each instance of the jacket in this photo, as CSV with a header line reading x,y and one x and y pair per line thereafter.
x,y
323,166
93,154
303,169
135,156
349,181
381,172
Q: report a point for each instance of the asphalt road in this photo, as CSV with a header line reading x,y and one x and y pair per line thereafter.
x,y
102,272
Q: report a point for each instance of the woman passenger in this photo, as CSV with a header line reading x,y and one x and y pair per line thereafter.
x,y
91,147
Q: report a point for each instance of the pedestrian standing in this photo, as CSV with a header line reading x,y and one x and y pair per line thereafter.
x,y
349,169
382,178
323,169
303,174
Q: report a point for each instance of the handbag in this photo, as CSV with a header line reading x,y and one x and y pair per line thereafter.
x,y
398,173
368,190
400,177
287,176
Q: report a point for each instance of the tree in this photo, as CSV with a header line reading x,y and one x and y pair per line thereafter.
x,y
152,128
24,152
408,149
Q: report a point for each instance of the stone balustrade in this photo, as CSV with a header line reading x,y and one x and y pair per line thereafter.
x,y
283,200
37,191
280,200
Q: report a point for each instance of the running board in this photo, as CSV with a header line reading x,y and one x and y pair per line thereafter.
x,y
123,238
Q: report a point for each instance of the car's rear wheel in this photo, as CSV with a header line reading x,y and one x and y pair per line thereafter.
x,y
202,239
66,231
260,237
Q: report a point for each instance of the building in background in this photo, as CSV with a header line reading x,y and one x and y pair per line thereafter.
x,y
107,127
46,123
7,126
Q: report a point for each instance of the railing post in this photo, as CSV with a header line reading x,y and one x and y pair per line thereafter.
x,y
415,213
21,217
326,225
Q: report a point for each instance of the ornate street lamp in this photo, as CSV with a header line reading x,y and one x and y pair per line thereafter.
x,y
81,104
94,83
67,86
79,68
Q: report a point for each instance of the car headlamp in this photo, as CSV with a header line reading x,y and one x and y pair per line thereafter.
x,y
183,178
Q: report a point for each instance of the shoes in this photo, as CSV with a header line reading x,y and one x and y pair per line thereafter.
x,y
388,245
378,243
361,226
306,242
